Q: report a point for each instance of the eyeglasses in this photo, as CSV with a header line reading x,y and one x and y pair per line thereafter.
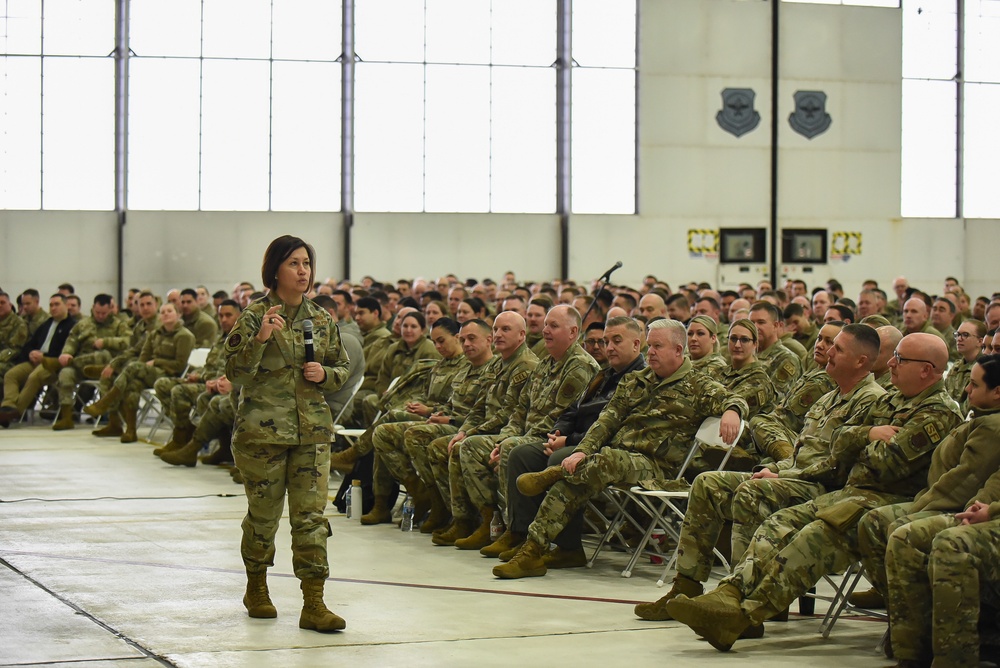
x,y
900,360
962,336
742,340
593,343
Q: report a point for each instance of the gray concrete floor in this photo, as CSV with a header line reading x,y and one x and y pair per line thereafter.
x,y
108,557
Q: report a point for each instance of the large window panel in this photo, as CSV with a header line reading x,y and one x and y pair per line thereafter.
x,y
389,30
237,28
75,28
982,146
163,134
305,144
20,133
930,34
235,141
458,31
524,32
388,162
928,149
78,128
604,33
21,27
982,40
457,142
165,28
523,147
306,29
603,170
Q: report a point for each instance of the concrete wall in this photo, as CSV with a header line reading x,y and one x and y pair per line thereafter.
x,y
692,175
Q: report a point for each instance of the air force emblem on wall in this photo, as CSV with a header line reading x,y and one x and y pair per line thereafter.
x,y
810,118
737,115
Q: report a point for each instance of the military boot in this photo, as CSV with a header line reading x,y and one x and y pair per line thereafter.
x,y
103,405
439,513
112,428
560,558
716,616
93,371
315,615
507,541
65,419
130,413
222,455
479,538
235,474
185,456
657,610
344,460
257,600
533,484
459,528
179,437
870,599
527,563
421,499
381,513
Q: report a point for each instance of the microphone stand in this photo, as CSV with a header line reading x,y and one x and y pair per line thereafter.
x,y
604,281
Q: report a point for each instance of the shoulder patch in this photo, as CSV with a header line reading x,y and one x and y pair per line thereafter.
x,y
234,340
520,377
932,433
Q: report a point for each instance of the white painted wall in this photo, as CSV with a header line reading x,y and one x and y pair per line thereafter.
x,y
692,175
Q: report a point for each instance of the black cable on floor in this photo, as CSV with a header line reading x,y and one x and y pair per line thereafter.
x,y
123,498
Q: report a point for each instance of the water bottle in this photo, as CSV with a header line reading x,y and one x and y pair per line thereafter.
x,y
407,523
497,527
355,502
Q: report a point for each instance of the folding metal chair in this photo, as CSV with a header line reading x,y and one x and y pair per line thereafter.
x,y
150,403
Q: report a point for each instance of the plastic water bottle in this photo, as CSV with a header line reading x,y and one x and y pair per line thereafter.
x,y
497,527
355,502
407,523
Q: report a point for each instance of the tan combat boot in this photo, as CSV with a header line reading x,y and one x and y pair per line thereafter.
x,y
222,455
103,405
315,615
479,538
112,428
716,616
533,484
508,541
93,371
657,610
421,499
179,437
130,414
439,513
257,600
186,456
344,460
381,513
459,528
527,563
560,558
65,419
869,599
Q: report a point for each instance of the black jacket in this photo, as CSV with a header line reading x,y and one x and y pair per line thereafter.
x,y
58,339
576,420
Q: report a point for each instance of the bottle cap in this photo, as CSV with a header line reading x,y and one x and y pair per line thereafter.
x,y
356,482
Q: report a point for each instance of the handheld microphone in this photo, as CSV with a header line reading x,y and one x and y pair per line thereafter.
x,y
307,335
607,274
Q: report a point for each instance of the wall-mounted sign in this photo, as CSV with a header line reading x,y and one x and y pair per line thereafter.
x,y
737,115
810,118
703,243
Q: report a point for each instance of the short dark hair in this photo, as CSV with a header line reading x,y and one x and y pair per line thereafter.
x,y
31,292
598,324
421,320
793,310
845,311
327,302
348,297
371,304
190,292
951,305
280,250
480,323
103,299
867,338
221,294
68,287
448,324
60,296
991,369
772,310
233,303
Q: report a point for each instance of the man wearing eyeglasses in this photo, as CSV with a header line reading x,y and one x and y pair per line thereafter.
x,y
593,343
885,461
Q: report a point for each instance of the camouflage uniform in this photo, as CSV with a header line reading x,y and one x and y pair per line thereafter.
x,y
80,344
807,340
752,382
491,412
645,431
885,380
957,380
800,350
179,396
797,546
374,344
204,328
217,417
13,336
937,570
948,334
720,496
711,364
435,396
553,387
962,468
36,321
283,431
169,350
399,358
784,366
774,433
393,441
130,348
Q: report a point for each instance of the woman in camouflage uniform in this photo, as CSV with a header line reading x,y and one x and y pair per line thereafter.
x,y
281,439
703,344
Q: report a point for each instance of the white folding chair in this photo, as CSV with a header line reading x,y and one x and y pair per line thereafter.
x,y
347,404
352,435
150,403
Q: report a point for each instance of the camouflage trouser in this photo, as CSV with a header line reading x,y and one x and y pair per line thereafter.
x,y
568,496
446,471
874,530
269,472
521,509
770,437
217,419
118,364
418,440
135,378
388,439
479,480
381,475
507,446
793,549
936,570
23,383
72,374
756,500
